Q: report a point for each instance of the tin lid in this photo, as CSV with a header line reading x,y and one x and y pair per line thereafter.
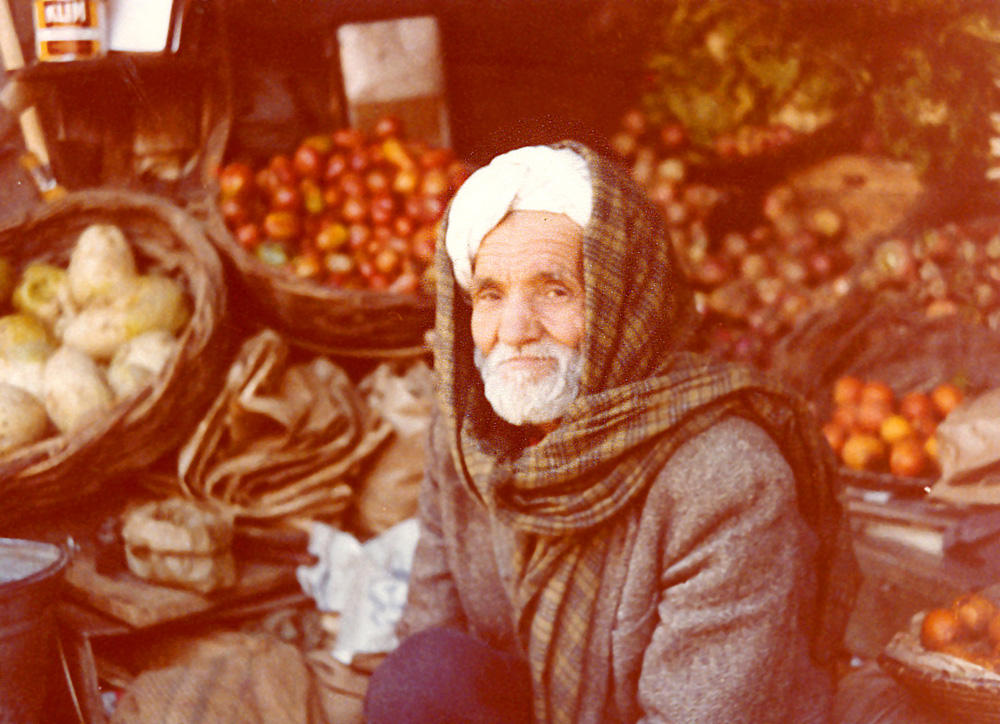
x,y
20,559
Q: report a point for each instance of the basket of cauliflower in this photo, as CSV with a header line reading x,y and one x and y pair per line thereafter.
x,y
111,342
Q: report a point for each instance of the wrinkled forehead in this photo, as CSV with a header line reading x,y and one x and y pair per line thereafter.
x,y
533,178
530,242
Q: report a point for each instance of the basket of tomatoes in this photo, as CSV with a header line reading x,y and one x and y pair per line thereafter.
x,y
332,242
949,658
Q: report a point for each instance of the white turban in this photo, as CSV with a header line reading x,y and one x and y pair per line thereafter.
x,y
533,178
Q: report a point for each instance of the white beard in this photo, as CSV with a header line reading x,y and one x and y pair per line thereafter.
x,y
521,400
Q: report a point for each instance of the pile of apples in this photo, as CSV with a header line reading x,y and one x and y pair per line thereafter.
x,y
756,274
871,429
951,268
350,209
759,265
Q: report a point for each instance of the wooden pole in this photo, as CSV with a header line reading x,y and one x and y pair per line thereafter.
x,y
37,161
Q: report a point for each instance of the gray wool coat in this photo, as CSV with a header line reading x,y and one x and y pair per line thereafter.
x,y
707,605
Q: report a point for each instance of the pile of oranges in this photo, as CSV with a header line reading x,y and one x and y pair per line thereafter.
x,y
872,429
968,628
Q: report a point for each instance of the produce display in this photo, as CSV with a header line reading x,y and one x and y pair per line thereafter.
x,y
78,339
347,209
759,269
756,270
968,627
946,269
872,429
917,74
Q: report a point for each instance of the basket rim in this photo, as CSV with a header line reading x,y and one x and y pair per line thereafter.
x,y
938,678
52,467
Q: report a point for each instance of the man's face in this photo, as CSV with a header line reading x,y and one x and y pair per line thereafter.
x,y
527,315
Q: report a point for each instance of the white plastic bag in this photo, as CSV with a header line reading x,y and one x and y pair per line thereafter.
x,y
366,583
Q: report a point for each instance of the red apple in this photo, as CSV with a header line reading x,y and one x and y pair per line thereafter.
x,y
312,196
234,210
383,209
348,138
353,184
355,209
377,181
359,160
235,179
434,182
283,170
247,235
286,198
308,162
403,226
387,126
282,225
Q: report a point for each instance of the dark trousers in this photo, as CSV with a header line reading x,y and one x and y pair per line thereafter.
x,y
444,676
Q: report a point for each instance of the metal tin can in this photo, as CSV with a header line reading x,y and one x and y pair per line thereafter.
x,y
70,29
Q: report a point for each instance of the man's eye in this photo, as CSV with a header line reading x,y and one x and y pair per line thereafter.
x,y
486,295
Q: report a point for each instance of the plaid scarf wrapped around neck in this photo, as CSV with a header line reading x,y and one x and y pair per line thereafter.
x,y
642,396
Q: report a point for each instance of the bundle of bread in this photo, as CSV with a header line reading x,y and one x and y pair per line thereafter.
x,y
180,542
78,339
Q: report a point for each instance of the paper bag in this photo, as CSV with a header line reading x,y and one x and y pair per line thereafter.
x,y
969,452
388,492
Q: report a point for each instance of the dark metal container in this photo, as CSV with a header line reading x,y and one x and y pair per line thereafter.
x,y
31,575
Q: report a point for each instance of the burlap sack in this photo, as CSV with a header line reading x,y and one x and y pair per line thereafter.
x,y
237,679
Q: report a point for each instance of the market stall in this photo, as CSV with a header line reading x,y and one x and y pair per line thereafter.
x,y
234,210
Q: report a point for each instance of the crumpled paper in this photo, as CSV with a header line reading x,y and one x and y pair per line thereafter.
x,y
388,492
969,452
366,583
281,440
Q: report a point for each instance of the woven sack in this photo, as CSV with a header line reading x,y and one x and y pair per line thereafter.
x,y
326,320
141,429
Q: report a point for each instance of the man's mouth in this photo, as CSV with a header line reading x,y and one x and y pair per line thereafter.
x,y
528,364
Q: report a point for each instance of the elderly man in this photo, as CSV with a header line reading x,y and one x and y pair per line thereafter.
x,y
613,529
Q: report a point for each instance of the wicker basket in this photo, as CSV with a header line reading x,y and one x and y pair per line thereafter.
x,y
326,320
139,430
960,698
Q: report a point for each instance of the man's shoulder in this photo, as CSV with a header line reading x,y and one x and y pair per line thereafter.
x,y
734,455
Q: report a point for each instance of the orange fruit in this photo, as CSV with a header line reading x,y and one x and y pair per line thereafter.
x,y
946,397
895,428
931,447
847,390
871,413
862,451
878,391
940,628
974,611
845,416
924,425
907,458
914,405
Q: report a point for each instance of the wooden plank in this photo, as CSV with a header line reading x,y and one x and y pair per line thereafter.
x,y
141,604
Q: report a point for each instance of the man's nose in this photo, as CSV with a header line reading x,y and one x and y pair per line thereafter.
x,y
518,322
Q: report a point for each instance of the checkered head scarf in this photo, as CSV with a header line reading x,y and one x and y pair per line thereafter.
x,y
642,395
